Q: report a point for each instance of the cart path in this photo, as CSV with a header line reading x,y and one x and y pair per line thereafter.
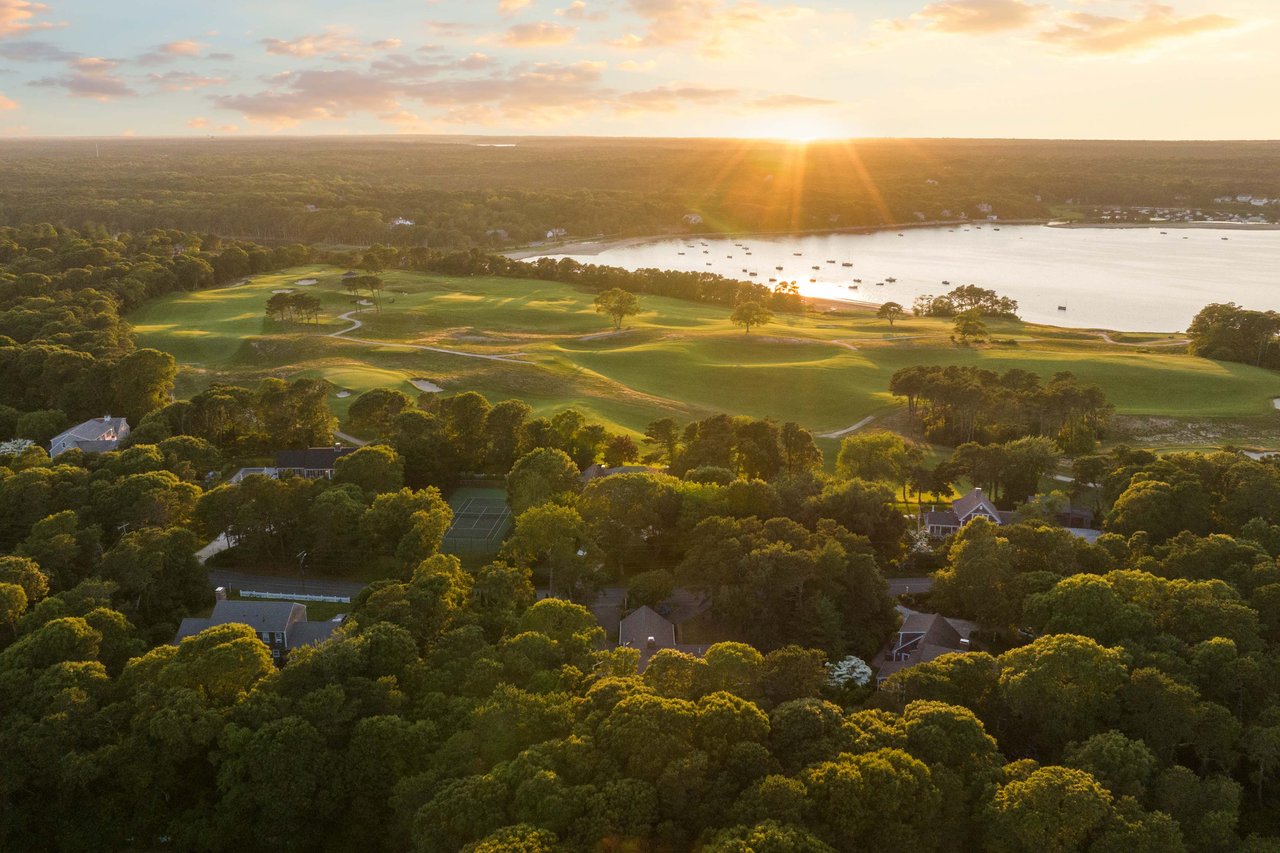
x,y
841,433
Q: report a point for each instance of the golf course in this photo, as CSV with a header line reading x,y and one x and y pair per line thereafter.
x,y
544,343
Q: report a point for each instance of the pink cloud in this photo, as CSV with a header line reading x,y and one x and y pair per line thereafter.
x,y
18,16
541,34
1086,33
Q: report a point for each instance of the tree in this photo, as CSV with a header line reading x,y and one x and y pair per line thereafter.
x,y
374,410
376,468
539,476
620,450
13,603
889,311
878,456
142,382
618,304
1054,810
750,313
666,434
968,326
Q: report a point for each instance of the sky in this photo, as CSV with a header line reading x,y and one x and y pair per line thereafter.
x,y
1081,69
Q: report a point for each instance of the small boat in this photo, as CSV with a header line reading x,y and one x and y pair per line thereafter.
x,y
847,264
891,279
830,261
997,229
947,283
900,234
1226,238
1062,308
853,287
704,243
779,269
797,254
753,274
813,281
679,253
706,251
744,269
858,280
879,284
708,263
1164,232
816,267
748,253
773,279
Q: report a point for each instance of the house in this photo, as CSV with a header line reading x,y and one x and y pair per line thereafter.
x,y
400,220
312,463
940,523
692,219
96,436
921,638
963,510
282,625
984,207
649,631
556,233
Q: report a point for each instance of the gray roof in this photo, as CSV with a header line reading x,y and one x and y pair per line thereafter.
x,y
311,459
287,617
93,430
636,629
968,503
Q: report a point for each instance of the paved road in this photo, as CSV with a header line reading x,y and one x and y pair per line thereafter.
x,y
841,433
898,586
283,584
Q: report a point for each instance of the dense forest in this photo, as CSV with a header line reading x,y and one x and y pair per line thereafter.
x,y
1119,695
459,193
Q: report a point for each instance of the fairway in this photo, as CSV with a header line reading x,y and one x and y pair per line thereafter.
x,y
826,370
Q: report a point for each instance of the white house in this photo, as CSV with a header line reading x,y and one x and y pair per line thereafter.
x,y
400,220
96,436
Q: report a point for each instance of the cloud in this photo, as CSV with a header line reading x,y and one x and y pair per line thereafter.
x,y
1085,33
17,16
577,11
790,102
669,99
541,34
89,77
977,17
510,7
711,23
36,51
197,123
170,52
183,81
314,95
331,43
7,103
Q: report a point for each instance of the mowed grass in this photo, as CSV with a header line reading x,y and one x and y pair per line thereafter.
x,y
827,369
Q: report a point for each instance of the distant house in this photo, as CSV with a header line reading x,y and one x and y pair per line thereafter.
x,y
692,219
312,463
556,233
596,471
649,631
976,504
400,220
96,436
921,638
282,625
984,207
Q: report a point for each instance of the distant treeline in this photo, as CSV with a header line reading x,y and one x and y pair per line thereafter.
x,y
455,194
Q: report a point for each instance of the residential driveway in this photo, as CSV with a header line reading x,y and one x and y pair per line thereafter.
x,y
284,584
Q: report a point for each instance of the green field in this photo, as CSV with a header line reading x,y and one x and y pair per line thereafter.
x,y
826,370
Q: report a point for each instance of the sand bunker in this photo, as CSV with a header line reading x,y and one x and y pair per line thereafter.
x,y
306,282
342,395
283,290
364,302
425,385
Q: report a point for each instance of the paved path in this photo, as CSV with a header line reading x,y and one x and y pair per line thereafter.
x,y
355,324
841,433
217,546
1180,343
899,586
350,439
284,584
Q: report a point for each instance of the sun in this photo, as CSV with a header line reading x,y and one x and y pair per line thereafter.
x,y
798,130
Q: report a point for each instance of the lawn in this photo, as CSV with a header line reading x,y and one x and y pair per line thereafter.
x,y
826,369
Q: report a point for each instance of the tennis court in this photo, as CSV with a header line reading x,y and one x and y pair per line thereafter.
x,y
481,520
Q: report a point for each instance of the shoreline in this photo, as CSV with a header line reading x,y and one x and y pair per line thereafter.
x,y
1204,226
598,246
